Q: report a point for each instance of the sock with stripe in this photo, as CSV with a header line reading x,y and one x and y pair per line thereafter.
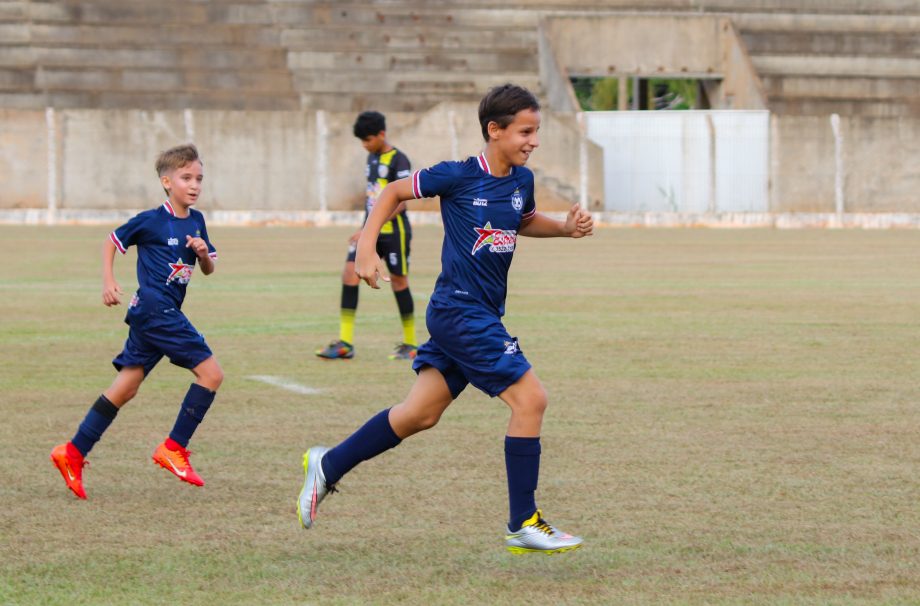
x,y
100,416
347,313
407,315
198,400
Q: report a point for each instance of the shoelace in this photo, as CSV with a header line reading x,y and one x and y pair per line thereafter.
x,y
543,526
183,456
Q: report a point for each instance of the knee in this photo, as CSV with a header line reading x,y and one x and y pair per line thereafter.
x,y
211,377
535,403
424,421
129,392
216,378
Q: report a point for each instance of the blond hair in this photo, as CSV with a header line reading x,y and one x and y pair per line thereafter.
x,y
176,157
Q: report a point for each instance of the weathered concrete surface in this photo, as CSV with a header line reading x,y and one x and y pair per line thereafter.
x,y
259,161
23,159
878,164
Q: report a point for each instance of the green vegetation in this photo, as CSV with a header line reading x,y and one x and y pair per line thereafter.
x,y
601,94
733,420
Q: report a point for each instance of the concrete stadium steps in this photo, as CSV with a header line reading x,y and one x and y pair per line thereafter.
x,y
818,87
337,90
14,11
405,101
216,35
393,63
721,6
228,100
854,66
801,106
854,42
131,53
374,37
144,12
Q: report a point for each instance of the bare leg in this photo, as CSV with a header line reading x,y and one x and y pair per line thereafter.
x,y
423,407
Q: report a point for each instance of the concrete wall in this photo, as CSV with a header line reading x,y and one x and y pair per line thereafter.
x,y
877,169
648,46
263,161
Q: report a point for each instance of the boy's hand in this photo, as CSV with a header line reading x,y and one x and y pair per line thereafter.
x,y
198,245
369,268
579,222
111,293
354,237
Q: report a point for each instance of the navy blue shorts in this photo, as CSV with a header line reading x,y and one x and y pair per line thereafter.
x,y
471,345
158,333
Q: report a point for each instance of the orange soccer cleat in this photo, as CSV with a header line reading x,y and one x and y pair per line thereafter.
x,y
174,458
70,463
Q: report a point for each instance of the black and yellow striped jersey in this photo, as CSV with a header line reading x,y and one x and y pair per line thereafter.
x,y
383,169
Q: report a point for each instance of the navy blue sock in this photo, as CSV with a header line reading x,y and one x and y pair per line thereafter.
x,y
374,437
522,462
100,416
197,401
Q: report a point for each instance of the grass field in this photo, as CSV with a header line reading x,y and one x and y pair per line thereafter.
x,y
734,419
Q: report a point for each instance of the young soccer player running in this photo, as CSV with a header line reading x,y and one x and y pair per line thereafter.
x,y
486,203
171,239
385,164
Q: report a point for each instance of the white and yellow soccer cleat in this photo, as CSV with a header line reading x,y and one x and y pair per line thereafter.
x,y
314,486
537,536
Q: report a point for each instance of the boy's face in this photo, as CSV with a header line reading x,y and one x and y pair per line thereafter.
x,y
375,144
184,184
517,140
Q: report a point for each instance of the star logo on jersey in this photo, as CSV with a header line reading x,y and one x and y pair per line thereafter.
x,y
498,240
181,272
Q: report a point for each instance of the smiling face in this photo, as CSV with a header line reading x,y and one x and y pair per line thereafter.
x,y
184,184
515,142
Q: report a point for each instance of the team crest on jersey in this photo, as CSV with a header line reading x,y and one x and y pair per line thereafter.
x,y
498,240
517,200
383,170
180,272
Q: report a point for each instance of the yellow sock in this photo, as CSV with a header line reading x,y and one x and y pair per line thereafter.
x,y
408,324
347,326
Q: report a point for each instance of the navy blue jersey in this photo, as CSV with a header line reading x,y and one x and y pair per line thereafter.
x,y
164,262
482,215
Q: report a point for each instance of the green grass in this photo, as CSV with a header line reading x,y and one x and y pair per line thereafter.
x,y
733,420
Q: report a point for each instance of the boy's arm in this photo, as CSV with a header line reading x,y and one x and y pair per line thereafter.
x,y
578,224
368,265
111,291
200,247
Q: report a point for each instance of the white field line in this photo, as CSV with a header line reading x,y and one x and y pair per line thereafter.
x,y
285,384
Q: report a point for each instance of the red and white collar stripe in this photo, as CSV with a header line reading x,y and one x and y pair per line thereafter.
x,y
484,164
169,208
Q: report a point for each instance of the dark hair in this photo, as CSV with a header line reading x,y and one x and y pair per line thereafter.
x,y
502,103
368,124
176,157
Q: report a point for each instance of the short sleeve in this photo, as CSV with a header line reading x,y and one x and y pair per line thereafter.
x,y
530,203
130,233
401,166
212,252
437,180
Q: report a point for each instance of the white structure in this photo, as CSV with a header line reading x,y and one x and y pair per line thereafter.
x,y
684,161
